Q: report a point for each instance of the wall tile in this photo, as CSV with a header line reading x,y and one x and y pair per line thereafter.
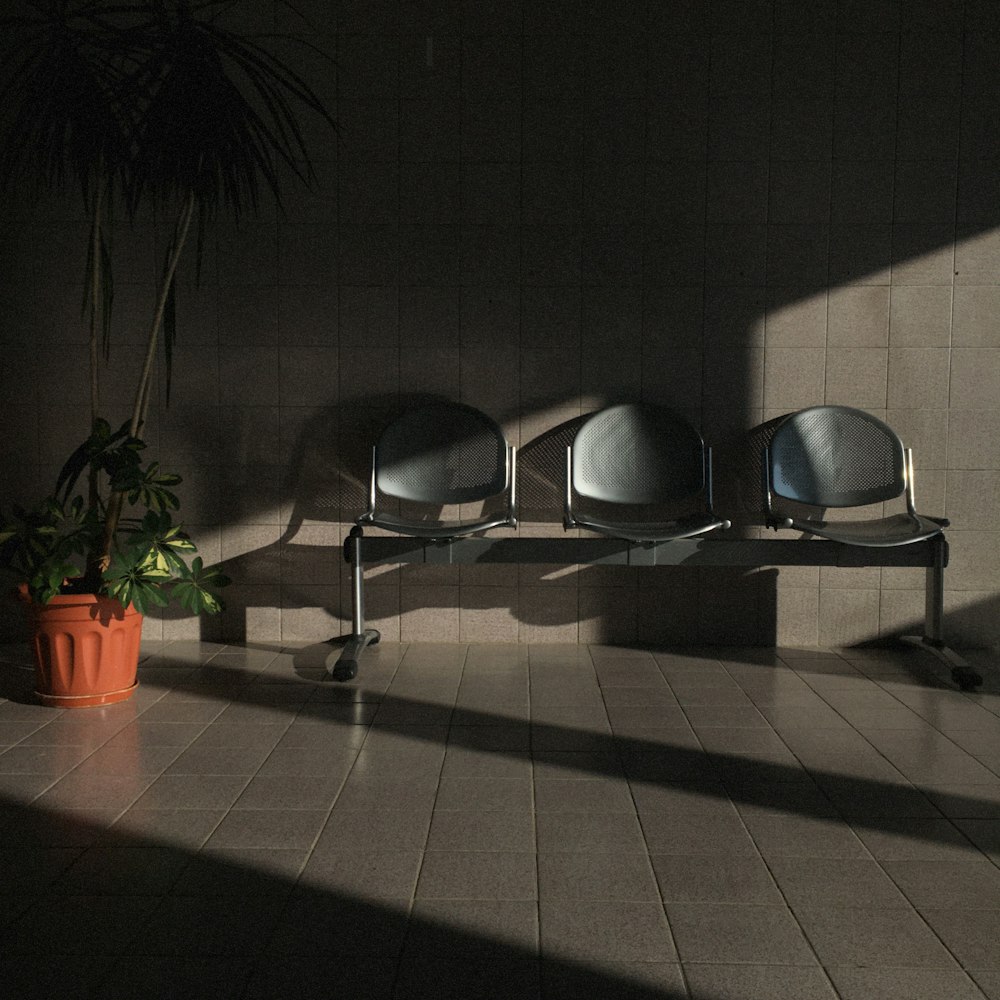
x,y
860,255
802,128
920,316
858,317
918,378
796,318
861,191
737,191
799,192
856,376
973,498
977,258
976,318
847,617
794,377
975,378
927,432
429,317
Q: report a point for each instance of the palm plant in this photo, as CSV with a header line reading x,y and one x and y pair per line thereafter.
x,y
139,104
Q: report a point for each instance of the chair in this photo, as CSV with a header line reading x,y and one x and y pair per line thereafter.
x,y
840,457
638,455
442,454
435,455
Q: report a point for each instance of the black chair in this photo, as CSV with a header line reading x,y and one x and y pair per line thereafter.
x,y
633,456
837,457
437,455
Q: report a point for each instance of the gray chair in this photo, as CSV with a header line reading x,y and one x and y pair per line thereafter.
x,y
637,458
837,457
438,455
441,454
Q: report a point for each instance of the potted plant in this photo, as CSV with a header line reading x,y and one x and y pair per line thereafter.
x,y
143,105
85,629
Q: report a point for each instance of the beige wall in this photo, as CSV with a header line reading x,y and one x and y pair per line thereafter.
x,y
738,208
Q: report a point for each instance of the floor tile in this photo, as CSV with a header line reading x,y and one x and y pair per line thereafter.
x,y
193,791
240,872
904,984
362,874
590,832
973,884
757,982
209,925
484,977
375,829
33,869
714,879
835,882
718,832
738,933
330,925
158,977
318,977
122,871
563,876
293,829
621,980
972,935
915,839
80,925
484,794
474,831
287,791
589,795
872,937
588,931
478,875
789,836
457,928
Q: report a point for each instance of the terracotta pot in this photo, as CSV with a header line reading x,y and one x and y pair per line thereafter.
x,y
86,650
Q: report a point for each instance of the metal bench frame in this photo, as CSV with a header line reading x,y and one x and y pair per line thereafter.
x,y
931,554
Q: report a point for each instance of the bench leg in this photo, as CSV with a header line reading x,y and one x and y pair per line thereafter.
x,y
345,666
933,638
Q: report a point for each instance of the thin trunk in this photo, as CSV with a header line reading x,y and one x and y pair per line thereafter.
x,y
117,500
96,318
95,310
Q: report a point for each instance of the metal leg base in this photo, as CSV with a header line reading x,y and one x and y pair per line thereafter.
x,y
345,666
961,673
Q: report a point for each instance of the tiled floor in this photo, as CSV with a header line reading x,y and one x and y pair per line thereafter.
x,y
502,821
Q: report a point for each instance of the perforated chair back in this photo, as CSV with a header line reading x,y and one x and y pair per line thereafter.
x,y
442,453
638,454
836,456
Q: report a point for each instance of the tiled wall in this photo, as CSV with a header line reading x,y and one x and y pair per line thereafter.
x,y
739,207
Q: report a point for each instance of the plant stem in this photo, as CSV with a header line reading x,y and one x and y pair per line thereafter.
x,y
116,502
177,245
95,287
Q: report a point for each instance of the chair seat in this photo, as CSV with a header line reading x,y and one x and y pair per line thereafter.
x,y
898,529
664,531
435,529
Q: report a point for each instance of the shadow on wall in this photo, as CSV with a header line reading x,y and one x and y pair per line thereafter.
x,y
712,226
329,483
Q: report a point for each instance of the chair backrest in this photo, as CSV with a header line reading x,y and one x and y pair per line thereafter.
x,y
636,453
836,456
442,453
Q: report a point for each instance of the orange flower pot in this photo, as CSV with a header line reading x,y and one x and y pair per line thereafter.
x,y
86,650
